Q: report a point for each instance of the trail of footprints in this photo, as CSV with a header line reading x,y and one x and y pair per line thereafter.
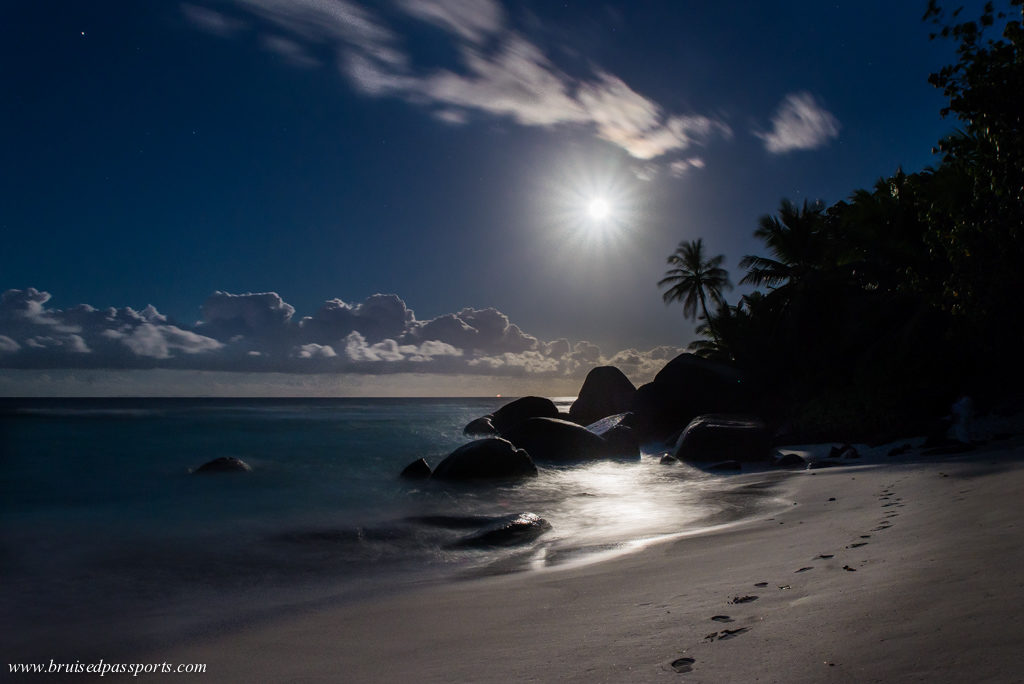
x,y
686,664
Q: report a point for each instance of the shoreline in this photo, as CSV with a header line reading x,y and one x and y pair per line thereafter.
x,y
920,583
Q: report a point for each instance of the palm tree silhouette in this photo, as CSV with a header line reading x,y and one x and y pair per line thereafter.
x,y
693,280
796,240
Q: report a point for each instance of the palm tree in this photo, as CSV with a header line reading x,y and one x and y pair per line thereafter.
x,y
797,242
693,280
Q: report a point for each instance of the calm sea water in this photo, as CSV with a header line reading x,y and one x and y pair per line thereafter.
x,y
107,537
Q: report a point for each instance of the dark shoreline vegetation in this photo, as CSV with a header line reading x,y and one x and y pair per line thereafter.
x,y
877,312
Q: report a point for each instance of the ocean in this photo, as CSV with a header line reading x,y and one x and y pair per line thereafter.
x,y
109,542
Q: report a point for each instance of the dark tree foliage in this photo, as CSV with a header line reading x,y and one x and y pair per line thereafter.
x,y
879,310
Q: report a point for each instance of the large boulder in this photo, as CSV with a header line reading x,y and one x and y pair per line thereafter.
x,y
515,412
605,392
510,415
485,459
224,464
559,441
688,386
717,438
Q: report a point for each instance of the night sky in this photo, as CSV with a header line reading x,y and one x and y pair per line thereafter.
x,y
162,160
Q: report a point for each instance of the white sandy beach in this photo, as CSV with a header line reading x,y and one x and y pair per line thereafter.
x,y
924,581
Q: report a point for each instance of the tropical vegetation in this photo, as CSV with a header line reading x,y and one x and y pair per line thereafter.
x,y
870,316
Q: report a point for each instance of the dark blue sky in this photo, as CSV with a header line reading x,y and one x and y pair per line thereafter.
x,y
443,151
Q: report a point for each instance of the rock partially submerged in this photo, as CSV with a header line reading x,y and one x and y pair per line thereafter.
x,y
480,426
224,464
417,470
605,392
717,437
510,415
557,441
485,459
509,531
618,433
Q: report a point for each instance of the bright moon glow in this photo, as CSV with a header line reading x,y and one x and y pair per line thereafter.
x,y
598,209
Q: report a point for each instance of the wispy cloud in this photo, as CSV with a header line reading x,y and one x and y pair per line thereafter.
x,y
259,332
799,123
502,74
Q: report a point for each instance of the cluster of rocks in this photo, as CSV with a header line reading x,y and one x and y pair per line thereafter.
x,y
698,406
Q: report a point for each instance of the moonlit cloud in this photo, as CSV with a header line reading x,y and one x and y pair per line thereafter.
x,y
473,20
800,123
212,21
502,74
259,332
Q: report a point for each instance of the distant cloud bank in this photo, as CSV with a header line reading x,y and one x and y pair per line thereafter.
x,y
259,332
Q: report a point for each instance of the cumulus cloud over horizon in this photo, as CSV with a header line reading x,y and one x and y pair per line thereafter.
x,y
259,332
501,72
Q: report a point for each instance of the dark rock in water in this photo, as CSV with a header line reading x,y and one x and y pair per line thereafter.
x,y
515,412
789,461
605,392
619,435
726,465
483,459
558,441
622,442
224,464
686,387
480,426
714,437
417,470
815,465
669,459
511,531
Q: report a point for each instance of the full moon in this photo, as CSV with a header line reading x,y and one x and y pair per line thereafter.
x,y
598,208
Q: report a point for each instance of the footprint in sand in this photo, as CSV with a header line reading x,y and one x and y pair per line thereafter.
x,y
847,567
730,633
743,599
865,536
683,664
804,569
856,544
761,584
825,556
721,618
785,586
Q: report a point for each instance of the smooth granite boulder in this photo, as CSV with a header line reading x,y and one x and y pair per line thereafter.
x,y
510,531
686,387
480,426
551,440
605,392
485,459
722,437
513,413
617,431
224,464
417,470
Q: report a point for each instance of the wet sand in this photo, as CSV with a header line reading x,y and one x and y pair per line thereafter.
x,y
893,569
